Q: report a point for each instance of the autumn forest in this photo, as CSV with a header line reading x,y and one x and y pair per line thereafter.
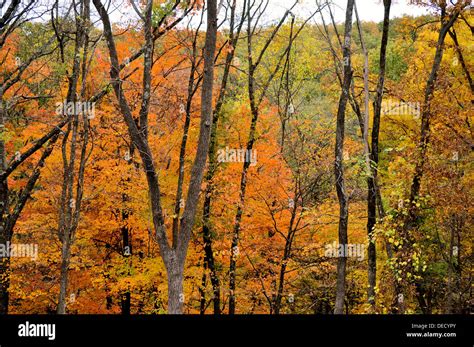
x,y
236,157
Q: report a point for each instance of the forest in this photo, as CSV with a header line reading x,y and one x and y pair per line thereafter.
x,y
222,157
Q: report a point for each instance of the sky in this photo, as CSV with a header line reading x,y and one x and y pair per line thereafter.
x,y
369,10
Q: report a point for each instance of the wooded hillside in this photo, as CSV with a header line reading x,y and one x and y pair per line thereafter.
x,y
203,158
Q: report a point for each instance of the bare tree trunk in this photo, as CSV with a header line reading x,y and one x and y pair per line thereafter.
x,y
426,115
374,158
449,301
371,165
209,261
292,229
338,164
294,222
64,271
193,85
176,298
454,36
69,213
243,180
197,171
372,254
126,254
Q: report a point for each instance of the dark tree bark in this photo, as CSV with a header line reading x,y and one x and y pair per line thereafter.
x,y
13,17
338,164
373,200
454,36
194,82
290,237
209,260
126,252
426,113
374,158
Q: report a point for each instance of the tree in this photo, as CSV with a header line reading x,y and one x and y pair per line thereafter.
x,y
174,256
373,189
72,187
209,259
338,165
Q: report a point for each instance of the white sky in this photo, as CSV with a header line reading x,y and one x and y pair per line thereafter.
x,y
369,10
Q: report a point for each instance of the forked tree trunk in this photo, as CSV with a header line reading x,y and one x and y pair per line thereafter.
x,y
173,256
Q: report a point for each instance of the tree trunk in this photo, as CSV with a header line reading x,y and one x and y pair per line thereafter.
x,y
210,265
426,117
447,21
209,261
374,158
69,210
197,171
126,253
175,288
234,251
4,282
4,204
63,282
338,164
